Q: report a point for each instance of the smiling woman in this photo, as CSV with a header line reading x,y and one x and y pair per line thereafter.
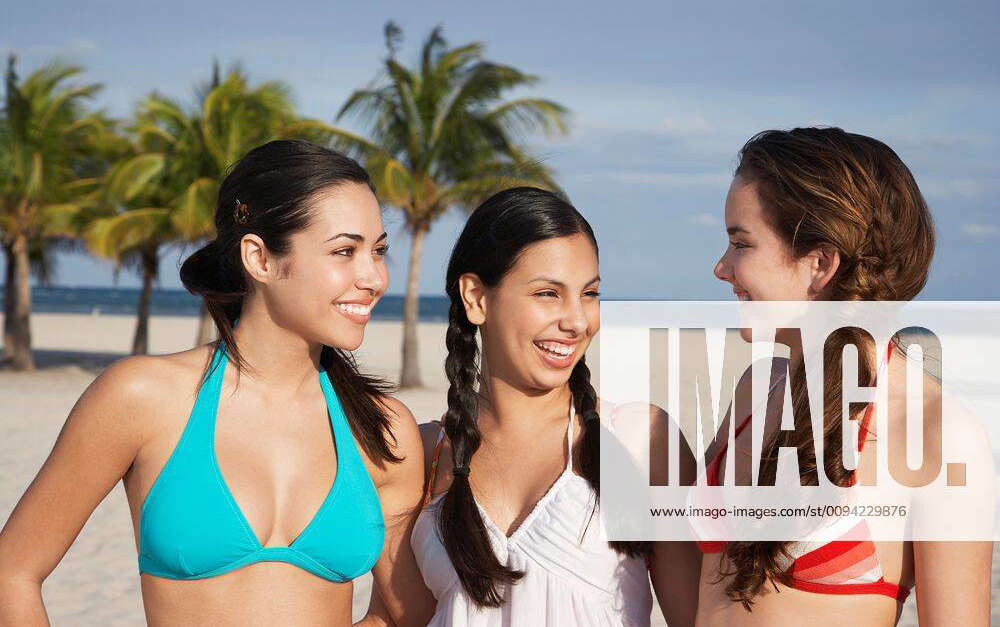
x,y
510,534
819,214
259,492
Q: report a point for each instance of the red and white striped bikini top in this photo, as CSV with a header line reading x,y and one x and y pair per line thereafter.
x,y
835,567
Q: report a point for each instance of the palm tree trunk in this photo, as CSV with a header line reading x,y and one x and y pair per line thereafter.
x,y
20,314
206,327
410,375
150,269
8,302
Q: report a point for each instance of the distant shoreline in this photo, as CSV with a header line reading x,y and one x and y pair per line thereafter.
x,y
179,302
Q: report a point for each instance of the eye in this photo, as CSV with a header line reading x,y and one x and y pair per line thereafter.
x,y
346,252
592,293
546,293
382,251
738,245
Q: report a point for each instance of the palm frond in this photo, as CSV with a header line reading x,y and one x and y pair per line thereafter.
x,y
114,237
130,178
193,217
529,115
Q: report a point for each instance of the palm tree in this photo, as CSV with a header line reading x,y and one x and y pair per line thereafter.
x,y
44,139
440,135
201,143
134,221
42,261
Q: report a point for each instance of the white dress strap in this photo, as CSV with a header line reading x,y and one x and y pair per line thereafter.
x,y
568,579
569,434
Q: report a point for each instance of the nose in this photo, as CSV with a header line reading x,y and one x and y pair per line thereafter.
x,y
722,270
574,319
372,276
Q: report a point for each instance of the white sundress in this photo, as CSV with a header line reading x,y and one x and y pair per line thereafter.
x,y
568,580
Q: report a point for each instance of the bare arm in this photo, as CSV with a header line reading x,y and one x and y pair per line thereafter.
x,y
953,582
675,568
95,448
953,577
675,571
378,614
399,596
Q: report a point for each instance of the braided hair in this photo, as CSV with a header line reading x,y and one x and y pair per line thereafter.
x,y
826,187
495,235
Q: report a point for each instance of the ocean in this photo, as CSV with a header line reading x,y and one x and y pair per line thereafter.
x,y
177,302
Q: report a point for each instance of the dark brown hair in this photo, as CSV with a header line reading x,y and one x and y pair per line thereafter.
x,y
277,182
495,235
826,187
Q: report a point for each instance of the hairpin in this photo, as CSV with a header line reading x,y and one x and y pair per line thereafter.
x,y
241,214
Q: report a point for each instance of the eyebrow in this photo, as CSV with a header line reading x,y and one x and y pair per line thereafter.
x,y
356,237
737,229
560,283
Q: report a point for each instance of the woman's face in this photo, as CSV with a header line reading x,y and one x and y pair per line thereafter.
x,y
757,262
542,314
335,270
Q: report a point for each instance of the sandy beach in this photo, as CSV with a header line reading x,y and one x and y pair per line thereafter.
x,y
97,582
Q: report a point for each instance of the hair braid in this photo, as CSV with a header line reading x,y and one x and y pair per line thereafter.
x,y
460,522
825,187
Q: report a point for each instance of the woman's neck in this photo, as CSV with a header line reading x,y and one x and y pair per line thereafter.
x,y
510,409
274,355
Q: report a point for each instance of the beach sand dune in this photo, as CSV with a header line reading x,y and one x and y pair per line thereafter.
x,y
97,582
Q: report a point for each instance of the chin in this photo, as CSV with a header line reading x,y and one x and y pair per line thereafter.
x,y
347,340
355,342
546,380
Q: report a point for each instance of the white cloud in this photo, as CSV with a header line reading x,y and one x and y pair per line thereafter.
x,y
981,231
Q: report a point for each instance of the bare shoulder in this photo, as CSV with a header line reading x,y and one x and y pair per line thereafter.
x,y
619,411
643,429
401,420
157,379
634,420
637,412
145,374
933,408
133,396
405,440
931,405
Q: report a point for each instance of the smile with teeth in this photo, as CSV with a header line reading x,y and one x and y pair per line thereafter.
x,y
555,348
352,308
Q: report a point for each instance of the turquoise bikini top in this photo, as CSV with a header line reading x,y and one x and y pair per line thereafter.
x,y
192,528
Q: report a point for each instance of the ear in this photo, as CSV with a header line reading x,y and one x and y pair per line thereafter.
x,y
257,260
823,265
473,294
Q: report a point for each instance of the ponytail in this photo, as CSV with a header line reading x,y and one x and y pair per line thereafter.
x,y
278,182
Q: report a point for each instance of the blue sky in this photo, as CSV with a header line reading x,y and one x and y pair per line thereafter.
x,y
663,94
